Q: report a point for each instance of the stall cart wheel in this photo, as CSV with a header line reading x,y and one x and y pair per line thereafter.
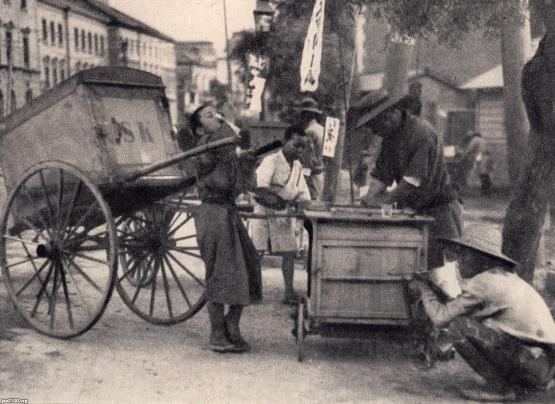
x,y
301,331
161,276
58,250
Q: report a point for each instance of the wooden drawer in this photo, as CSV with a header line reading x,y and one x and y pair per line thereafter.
x,y
376,261
363,300
370,231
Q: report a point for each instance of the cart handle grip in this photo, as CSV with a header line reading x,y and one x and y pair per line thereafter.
x,y
179,157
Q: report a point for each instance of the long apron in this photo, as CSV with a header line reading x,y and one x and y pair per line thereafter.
x,y
232,265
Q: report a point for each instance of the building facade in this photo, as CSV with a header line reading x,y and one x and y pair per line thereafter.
x,y
42,42
197,68
19,56
73,36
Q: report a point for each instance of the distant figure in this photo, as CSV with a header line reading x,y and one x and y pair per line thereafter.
x,y
485,168
469,150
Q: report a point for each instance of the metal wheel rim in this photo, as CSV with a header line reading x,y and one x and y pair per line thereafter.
x,y
66,269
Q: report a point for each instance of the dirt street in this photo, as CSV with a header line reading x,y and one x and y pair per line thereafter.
x,y
124,359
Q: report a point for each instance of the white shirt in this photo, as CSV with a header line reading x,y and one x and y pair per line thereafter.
x,y
275,173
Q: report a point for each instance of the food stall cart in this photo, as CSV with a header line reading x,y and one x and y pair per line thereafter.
x,y
359,265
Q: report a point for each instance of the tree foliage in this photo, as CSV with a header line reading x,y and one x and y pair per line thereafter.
x,y
284,47
446,20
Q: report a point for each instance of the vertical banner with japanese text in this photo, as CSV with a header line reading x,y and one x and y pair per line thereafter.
x,y
331,135
312,51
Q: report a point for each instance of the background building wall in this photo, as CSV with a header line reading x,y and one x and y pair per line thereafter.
x,y
22,80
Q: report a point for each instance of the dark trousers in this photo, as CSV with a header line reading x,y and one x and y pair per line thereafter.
x,y
485,184
503,360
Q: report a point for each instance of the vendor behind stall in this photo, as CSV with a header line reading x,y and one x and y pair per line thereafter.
x,y
412,157
281,173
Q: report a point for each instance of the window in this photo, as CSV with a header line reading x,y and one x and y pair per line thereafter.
x,y
76,38
62,70
83,41
28,95
23,4
101,45
46,63
54,71
1,104
95,44
44,31
138,47
26,51
52,33
60,36
89,37
131,46
13,103
9,46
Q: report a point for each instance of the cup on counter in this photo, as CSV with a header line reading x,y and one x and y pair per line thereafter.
x,y
387,209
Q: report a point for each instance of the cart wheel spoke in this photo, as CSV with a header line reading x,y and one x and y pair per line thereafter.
x,y
45,194
187,251
153,286
37,210
166,288
52,308
188,217
81,272
66,296
143,279
178,283
31,279
42,290
183,267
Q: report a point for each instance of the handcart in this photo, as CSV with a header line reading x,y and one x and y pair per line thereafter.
x,y
359,265
90,167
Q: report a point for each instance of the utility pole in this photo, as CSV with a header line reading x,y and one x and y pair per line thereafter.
x,y
227,50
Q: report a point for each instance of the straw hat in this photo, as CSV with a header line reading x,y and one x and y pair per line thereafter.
x,y
482,238
308,104
374,104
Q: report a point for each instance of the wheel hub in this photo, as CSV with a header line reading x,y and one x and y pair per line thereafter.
x,y
49,250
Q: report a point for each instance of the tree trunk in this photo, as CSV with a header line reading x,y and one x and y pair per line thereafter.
x,y
515,48
526,212
396,66
332,169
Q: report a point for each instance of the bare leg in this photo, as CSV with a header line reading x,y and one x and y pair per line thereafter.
x,y
288,271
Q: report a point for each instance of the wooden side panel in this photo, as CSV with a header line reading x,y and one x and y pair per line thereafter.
x,y
359,270
64,131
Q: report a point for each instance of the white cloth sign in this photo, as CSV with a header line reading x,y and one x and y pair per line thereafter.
x,y
312,51
331,134
256,65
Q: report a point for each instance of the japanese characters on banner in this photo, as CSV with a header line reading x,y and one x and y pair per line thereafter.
x,y
312,51
256,81
331,134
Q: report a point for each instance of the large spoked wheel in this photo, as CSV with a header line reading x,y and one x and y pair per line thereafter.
x,y
161,276
58,251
